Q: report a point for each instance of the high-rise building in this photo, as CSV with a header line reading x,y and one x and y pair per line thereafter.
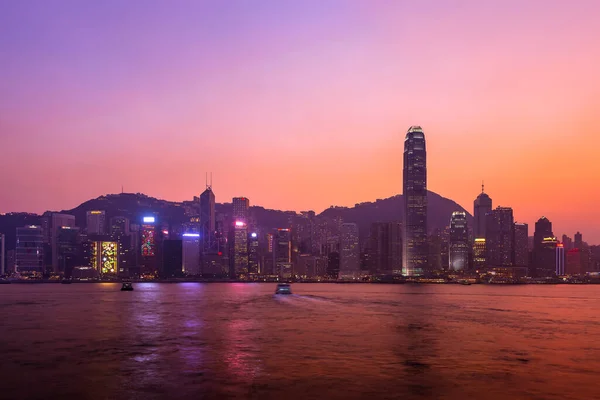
x,y
560,259
578,242
29,253
58,221
104,257
119,227
544,249
385,248
253,255
191,253
567,242
282,253
499,237
415,252
96,222
2,254
150,243
481,207
172,258
241,206
69,250
573,266
238,250
349,252
479,252
207,220
459,242
521,245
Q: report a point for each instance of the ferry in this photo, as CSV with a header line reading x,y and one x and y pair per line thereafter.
x,y
283,288
127,287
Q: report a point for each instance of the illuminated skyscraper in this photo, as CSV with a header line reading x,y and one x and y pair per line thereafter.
x,y
349,252
57,221
150,245
96,222
253,256
415,252
282,253
499,237
459,242
241,205
479,261
105,257
481,207
238,250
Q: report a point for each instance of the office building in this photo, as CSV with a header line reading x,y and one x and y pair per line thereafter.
x,y
96,222
150,242
191,253
573,265
544,249
238,250
349,252
241,207
385,248
415,252
479,252
521,245
104,257
57,221
282,253
172,261
458,246
2,254
481,207
560,259
253,254
207,220
69,250
29,251
499,237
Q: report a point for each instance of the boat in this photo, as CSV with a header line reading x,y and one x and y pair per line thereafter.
x,y
465,282
127,287
283,288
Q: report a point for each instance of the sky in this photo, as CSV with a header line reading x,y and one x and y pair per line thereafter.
x,y
302,104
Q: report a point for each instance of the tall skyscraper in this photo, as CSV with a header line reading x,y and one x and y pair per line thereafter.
x,y
479,254
459,242
521,245
349,252
385,248
29,253
238,250
69,250
499,237
172,258
207,220
241,206
544,249
415,252
282,253
105,257
253,255
560,259
96,222
481,207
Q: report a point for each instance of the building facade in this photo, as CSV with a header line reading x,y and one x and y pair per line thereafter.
x,y
415,252
458,246
349,252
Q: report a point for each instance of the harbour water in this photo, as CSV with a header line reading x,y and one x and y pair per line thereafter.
x,y
326,341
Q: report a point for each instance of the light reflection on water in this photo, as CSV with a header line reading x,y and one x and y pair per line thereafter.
x,y
328,341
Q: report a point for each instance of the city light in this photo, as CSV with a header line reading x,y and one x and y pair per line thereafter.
x,y
240,223
95,212
254,234
191,235
149,220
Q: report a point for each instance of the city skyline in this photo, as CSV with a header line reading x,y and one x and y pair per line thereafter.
x,y
504,106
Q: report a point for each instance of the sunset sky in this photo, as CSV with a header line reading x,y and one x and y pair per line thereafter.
x,y
302,104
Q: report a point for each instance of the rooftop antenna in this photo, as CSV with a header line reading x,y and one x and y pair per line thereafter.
x,y
481,186
122,189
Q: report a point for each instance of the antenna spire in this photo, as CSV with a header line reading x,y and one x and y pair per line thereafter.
x,y
481,186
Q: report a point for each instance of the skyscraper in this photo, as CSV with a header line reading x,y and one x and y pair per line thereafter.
x,y
560,259
415,251
481,207
459,242
238,250
191,253
96,222
521,245
385,248
207,220
29,253
57,221
499,237
544,249
2,254
349,251
241,206
282,253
